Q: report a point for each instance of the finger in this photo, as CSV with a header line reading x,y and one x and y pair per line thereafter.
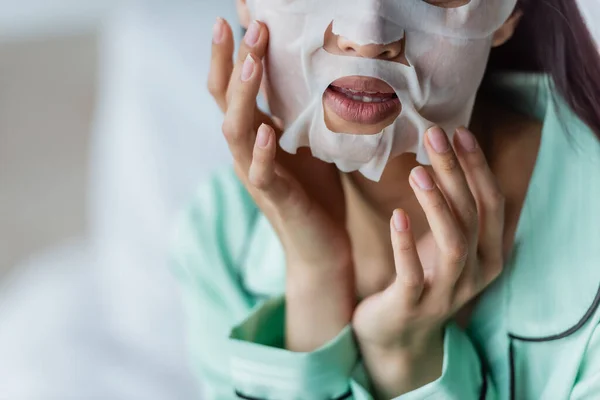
x,y
221,62
238,126
271,181
262,174
446,231
409,271
255,42
490,202
451,180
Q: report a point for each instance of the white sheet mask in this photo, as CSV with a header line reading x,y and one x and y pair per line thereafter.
x,y
446,48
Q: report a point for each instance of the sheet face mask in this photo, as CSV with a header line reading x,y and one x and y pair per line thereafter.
x,y
446,50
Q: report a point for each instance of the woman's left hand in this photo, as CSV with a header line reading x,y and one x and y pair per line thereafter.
x,y
400,330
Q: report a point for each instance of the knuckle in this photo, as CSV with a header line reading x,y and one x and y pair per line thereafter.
x,y
259,174
412,281
215,88
437,202
295,201
469,288
496,200
405,245
458,253
449,163
471,216
262,160
293,207
231,129
258,180
441,311
495,269
464,295
259,158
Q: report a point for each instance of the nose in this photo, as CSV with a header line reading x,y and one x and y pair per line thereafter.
x,y
338,44
388,52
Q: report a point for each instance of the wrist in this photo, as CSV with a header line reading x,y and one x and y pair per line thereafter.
x,y
319,304
317,261
301,275
401,368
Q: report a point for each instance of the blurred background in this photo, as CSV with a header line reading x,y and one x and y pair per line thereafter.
x,y
48,65
105,130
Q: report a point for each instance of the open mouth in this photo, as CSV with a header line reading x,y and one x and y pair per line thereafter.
x,y
362,100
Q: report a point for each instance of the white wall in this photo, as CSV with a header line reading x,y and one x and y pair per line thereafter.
x,y
591,11
26,18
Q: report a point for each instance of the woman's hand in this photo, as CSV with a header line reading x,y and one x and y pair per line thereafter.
x,y
301,196
400,330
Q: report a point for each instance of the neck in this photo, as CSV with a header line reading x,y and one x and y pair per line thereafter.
x,y
512,142
369,208
393,190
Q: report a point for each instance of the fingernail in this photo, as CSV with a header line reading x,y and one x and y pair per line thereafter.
x,y
218,30
252,34
438,140
466,139
263,136
248,68
400,219
422,178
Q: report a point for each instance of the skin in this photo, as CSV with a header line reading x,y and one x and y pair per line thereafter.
x,y
398,259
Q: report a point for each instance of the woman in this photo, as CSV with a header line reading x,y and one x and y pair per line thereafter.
x,y
489,288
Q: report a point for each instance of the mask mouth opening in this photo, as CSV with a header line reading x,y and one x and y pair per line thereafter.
x,y
360,105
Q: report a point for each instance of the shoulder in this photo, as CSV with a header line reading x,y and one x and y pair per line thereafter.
x,y
555,279
217,224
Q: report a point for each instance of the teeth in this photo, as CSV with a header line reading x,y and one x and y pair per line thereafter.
x,y
367,99
353,92
360,96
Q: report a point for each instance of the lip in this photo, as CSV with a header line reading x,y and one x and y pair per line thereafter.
x,y
380,100
364,84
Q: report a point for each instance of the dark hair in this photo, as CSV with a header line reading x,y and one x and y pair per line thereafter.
x,y
553,38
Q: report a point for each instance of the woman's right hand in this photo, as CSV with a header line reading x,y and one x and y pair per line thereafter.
x,y
301,196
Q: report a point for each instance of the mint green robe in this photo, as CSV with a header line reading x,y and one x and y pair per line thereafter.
x,y
534,334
